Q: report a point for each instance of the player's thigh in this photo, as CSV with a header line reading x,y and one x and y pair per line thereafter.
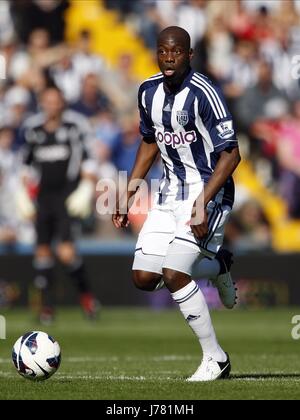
x,y
44,225
64,223
153,241
180,258
218,215
178,265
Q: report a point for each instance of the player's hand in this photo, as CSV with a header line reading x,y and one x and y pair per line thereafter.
x,y
79,203
201,230
24,205
120,220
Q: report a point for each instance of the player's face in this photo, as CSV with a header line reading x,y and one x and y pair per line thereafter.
x,y
52,103
173,58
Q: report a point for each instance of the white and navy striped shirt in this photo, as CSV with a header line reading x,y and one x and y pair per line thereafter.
x,y
190,127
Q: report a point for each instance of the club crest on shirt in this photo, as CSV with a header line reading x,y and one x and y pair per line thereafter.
x,y
182,117
225,129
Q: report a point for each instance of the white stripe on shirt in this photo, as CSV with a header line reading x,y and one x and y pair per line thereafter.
x,y
202,81
210,100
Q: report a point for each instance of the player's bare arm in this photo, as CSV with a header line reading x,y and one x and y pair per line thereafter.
x,y
145,158
228,162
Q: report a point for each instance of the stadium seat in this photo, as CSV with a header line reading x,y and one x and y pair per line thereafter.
x,y
109,43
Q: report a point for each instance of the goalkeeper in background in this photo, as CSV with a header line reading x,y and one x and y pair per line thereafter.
x,y
56,148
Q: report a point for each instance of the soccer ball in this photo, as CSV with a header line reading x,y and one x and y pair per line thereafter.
x,y
36,356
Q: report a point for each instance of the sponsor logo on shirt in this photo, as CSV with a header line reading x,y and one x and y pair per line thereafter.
x,y
52,153
225,129
176,140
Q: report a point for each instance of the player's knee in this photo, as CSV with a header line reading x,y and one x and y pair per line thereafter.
x,y
145,280
172,278
66,253
43,252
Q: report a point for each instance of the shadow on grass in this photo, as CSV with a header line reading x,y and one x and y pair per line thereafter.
x,y
266,376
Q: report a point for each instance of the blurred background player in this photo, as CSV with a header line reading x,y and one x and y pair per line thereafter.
x,y
185,119
56,146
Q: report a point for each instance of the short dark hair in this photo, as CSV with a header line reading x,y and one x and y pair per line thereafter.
x,y
178,32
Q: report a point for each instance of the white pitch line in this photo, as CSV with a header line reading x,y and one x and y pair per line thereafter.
x,y
104,359
88,377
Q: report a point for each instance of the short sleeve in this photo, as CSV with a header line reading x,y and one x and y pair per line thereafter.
x,y
146,125
217,119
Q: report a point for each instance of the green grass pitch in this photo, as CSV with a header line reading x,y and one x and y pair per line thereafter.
x,y
141,354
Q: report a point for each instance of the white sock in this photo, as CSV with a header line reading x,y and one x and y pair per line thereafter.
x,y
194,309
206,269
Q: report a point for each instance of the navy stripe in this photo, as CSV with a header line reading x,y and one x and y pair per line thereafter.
x,y
191,294
217,222
137,249
229,192
166,176
210,223
213,217
186,240
197,147
149,94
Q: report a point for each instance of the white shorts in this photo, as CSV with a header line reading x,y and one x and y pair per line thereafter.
x,y
166,239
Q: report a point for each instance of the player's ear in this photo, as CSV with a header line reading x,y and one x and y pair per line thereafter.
x,y
191,53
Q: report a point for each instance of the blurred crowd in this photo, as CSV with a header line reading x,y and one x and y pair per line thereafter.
x,y
248,47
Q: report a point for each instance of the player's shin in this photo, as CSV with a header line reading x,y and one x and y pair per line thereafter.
x,y
77,273
43,281
194,309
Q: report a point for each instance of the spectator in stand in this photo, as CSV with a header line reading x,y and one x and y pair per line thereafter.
x,y
42,54
66,77
17,60
121,86
12,229
192,17
262,101
220,46
6,24
241,73
240,21
84,61
249,228
280,52
288,155
92,100
16,101
29,15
